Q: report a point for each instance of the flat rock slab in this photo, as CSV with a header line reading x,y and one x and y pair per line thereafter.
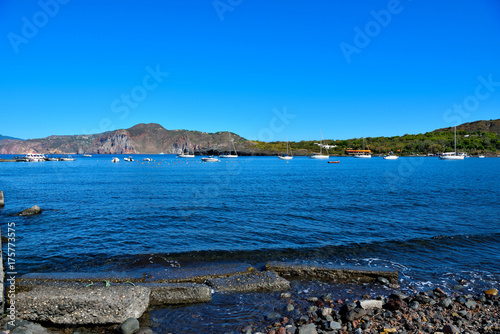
x,y
265,281
330,274
111,276
178,293
90,305
197,274
25,285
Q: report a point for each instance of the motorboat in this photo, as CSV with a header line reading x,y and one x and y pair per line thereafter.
x,y
481,156
128,159
391,157
147,159
115,160
334,162
210,159
68,158
87,155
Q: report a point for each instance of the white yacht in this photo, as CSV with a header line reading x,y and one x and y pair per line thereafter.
x,y
320,155
363,155
230,155
68,158
391,156
35,157
147,159
115,160
452,155
481,156
210,159
186,154
129,159
287,156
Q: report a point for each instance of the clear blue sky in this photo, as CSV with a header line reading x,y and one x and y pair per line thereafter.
x,y
67,67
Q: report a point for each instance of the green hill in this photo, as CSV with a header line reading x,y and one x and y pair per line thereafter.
x,y
481,137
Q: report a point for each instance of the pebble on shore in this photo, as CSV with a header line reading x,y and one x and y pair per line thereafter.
x,y
431,312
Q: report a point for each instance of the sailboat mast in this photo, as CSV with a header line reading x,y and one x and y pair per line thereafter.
x,y
455,140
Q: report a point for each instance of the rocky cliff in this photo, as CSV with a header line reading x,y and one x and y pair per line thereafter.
x,y
142,138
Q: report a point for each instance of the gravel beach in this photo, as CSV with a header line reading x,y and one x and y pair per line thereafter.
x,y
426,312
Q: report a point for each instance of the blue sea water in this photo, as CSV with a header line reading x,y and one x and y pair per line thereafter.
x,y
434,221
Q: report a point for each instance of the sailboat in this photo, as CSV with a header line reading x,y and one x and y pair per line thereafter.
x,y
186,154
320,155
364,155
452,155
287,156
229,155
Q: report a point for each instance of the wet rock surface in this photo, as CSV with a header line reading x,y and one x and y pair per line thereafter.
x,y
178,293
333,274
89,305
255,281
34,210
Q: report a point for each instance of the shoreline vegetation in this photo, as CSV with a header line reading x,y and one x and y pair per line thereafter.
x,y
481,137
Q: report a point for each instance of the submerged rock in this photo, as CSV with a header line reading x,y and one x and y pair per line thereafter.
x,y
178,293
34,210
129,326
29,327
491,293
255,281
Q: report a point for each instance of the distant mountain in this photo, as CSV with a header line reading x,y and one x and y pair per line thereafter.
x,y
474,137
492,126
7,137
142,138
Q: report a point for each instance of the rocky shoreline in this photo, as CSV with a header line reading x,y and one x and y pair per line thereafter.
x,y
122,302
425,312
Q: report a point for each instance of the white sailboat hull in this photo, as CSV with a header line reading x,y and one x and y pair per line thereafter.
x,y
319,156
286,157
363,156
227,156
185,156
210,159
451,157
391,157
